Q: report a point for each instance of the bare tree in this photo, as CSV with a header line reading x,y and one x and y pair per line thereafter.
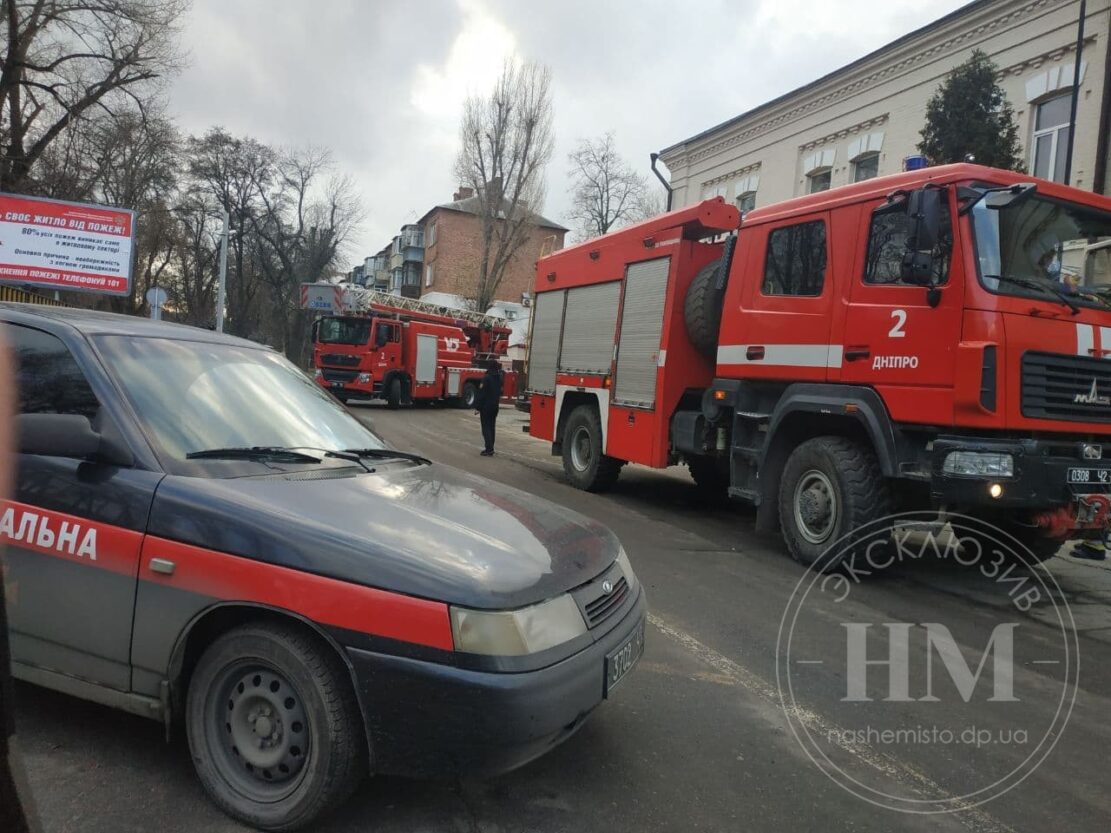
x,y
66,60
505,146
605,192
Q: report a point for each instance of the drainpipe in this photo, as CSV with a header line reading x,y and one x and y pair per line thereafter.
x,y
654,157
1099,178
1075,92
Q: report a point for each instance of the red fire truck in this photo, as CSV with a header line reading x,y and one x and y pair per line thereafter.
x,y
405,351
910,342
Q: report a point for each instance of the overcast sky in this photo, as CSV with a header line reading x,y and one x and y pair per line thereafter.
x,y
381,82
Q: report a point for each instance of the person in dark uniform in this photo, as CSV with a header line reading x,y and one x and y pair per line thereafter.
x,y
489,400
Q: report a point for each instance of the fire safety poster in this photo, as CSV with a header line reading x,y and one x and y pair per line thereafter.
x,y
64,245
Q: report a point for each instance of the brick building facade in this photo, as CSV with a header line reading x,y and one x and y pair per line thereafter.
x,y
453,250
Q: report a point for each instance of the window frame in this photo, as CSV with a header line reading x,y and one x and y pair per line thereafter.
x,y
822,221
869,156
815,175
429,275
1054,132
749,196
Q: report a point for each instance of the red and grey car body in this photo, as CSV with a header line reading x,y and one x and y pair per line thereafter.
x,y
116,574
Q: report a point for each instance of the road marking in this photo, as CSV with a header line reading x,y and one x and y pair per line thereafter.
x,y
973,817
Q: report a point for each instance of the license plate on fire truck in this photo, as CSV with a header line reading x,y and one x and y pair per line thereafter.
x,y
1099,477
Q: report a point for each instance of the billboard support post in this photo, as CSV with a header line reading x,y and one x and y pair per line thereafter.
x,y
223,282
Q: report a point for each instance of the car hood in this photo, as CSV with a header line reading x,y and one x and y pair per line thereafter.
x,y
424,530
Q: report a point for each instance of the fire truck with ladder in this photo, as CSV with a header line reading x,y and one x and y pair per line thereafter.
x,y
405,351
911,342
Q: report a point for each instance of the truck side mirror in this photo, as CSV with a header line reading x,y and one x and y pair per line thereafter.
x,y
923,208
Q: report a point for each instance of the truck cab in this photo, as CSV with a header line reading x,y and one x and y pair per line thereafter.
x,y
354,354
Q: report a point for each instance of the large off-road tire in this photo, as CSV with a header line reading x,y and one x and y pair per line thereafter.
x,y
583,461
274,729
830,486
470,395
710,475
393,393
702,310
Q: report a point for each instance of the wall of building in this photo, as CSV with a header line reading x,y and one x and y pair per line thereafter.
x,y
453,254
878,105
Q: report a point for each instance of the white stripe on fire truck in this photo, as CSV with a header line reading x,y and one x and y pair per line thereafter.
x,y
784,355
1085,340
1105,340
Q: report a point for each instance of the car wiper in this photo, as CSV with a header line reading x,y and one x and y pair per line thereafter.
x,y
1038,286
254,452
387,454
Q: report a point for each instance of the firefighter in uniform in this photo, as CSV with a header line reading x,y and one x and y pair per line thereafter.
x,y
489,401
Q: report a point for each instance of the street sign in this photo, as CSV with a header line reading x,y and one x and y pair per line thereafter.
x,y
65,245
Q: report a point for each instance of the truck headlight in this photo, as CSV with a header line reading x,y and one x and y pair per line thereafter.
x,y
318,374
979,464
362,378
514,633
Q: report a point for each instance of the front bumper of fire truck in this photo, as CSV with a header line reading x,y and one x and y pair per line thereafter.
x,y
345,382
1064,485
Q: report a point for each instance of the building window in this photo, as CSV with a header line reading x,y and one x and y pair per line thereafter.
x,y
887,244
1051,137
746,201
428,275
819,181
796,260
866,167
432,234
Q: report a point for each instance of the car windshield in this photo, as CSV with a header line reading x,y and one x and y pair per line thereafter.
x,y
1041,246
344,331
192,397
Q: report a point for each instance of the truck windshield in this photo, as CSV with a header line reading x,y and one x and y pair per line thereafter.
x,y
1043,248
344,331
191,397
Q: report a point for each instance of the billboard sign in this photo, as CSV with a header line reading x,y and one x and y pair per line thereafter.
x,y
66,245
322,297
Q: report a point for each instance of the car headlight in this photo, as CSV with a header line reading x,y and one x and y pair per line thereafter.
x,y
362,378
514,633
979,464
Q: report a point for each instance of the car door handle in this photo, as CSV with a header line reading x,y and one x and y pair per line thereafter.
x,y
163,566
754,353
853,354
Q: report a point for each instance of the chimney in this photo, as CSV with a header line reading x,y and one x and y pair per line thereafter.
x,y
463,193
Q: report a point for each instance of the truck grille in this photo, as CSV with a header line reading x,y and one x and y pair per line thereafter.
x,y
331,375
342,359
1074,388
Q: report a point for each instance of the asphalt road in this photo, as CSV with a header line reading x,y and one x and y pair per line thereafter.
x,y
696,738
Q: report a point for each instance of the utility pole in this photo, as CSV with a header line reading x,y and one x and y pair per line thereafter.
x,y
221,285
1075,92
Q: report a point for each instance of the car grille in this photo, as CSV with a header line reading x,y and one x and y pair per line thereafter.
x,y
604,605
342,359
1056,386
331,375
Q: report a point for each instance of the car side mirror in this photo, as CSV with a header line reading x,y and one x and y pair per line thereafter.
x,y
68,435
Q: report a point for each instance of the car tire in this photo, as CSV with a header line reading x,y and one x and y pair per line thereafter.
x,y
280,687
470,396
393,394
583,461
830,486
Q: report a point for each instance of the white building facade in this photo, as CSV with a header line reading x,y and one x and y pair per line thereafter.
x,y
865,119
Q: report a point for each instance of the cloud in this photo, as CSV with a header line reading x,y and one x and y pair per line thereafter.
x,y
382,83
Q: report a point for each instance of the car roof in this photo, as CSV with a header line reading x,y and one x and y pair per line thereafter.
x,y
94,322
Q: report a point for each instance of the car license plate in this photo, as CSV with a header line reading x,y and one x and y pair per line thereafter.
x,y
337,384
1095,477
622,659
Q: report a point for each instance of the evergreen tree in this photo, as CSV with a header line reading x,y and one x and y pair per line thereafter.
x,y
969,115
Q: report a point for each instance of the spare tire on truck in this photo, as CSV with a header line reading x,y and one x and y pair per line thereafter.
x,y
702,310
